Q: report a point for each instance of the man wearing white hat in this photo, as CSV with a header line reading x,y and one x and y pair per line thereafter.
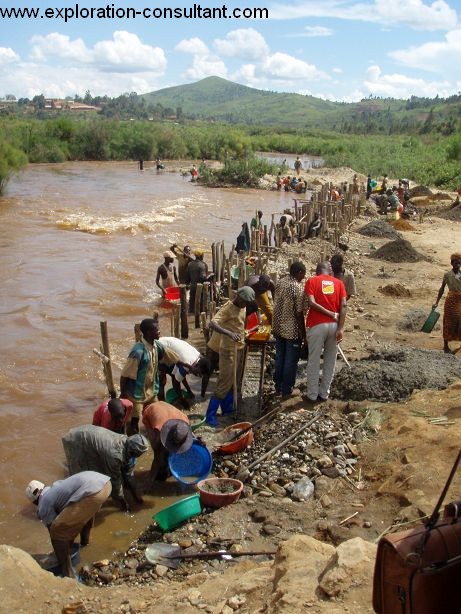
x,y
68,508
167,273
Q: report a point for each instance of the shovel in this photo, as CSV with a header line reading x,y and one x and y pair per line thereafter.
x,y
170,555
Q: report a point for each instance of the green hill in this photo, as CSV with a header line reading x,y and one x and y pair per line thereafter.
x,y
218,99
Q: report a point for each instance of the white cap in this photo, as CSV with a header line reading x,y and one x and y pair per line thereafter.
x,y
34,489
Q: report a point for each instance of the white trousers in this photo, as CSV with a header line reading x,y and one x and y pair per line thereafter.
x,y
321,337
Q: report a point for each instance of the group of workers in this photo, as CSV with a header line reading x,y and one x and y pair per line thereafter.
x,y
101,456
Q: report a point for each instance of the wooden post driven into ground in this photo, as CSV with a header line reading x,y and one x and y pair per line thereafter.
x,y
107,366
183,309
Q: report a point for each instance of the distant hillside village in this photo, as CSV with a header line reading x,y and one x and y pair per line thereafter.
x,y
51,104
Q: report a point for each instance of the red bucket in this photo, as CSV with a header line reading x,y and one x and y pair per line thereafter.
x,y
172,293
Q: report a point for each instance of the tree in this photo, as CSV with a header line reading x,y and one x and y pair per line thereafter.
x,y
11,161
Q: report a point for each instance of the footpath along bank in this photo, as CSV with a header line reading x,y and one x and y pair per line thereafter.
x,y
326,552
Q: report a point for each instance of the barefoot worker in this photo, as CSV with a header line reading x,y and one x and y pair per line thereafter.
x,y
227,340
167,273
452,308
113,414
168,431
92,448
67,508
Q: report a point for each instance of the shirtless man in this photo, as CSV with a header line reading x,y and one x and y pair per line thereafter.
x,y
167,273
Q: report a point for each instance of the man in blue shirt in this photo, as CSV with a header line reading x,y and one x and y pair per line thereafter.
x,y
67,508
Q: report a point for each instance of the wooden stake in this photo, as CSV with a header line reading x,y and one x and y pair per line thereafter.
x,y
107,365
184,308
177,320
198,302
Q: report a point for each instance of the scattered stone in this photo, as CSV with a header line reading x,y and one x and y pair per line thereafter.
x,y
258,516
325,461
326,501
271,529
185,543
277,489
161,570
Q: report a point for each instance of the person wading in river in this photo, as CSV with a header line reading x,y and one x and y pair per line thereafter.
x,y
67,508
168,431
227,340
452,308
167,273
92,448
139,380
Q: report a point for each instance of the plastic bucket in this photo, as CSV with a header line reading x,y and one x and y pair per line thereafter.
x,y
192,466
172,293
239,444
196,421
173,515
430,322
171,396
252,321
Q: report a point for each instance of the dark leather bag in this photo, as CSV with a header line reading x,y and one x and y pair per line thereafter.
x,y
418,571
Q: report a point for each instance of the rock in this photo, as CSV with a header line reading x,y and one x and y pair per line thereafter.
x,y
185,543
236,548
367,524
298,565
271,529
258,516
326,501
354,565
161,570
331,472
236,601
324,461
277,489
227,610
103,563
131,563
303,489
194,596
352,449
105,576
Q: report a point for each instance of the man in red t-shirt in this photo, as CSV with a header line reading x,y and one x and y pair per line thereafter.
x,y
113,414
325,323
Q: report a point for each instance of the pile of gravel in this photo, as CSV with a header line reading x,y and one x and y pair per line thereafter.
x,y
398,251
379,228
413,320
392,375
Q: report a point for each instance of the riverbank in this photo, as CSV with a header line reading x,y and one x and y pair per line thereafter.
x,y
396,476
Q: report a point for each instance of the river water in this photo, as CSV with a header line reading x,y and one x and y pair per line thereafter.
x,y
80,243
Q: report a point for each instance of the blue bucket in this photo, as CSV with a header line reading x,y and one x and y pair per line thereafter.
x,y
192,466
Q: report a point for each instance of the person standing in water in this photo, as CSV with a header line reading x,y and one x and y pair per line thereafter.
x,y
167,273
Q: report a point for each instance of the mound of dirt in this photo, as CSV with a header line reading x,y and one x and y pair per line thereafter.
x,y
402,225
413,320
398,251
379,228
420,190
394,290
392,375
452,213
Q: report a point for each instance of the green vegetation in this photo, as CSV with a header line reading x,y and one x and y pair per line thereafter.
x,y
419,138
245,172
11,161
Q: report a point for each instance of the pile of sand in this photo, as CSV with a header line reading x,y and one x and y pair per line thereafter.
x,y
392,375
452,213
394,290
398,251
379,228
402,225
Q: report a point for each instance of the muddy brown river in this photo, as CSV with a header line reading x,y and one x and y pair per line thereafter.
x,y
80,243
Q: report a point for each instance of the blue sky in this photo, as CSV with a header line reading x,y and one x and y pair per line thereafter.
x,y
334,49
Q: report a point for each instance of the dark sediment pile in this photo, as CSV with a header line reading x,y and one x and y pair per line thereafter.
x,y
379,228
452,213
420,190
413,320
398,251
392,375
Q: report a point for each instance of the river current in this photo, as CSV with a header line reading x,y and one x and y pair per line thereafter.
x,y
80,243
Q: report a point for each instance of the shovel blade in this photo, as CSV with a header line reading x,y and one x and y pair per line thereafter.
x,y
164,554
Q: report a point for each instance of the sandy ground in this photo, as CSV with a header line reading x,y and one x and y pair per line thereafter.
x,y
402,468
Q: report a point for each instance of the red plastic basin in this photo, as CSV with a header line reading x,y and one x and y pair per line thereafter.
x,y
216,499
239,444
172,293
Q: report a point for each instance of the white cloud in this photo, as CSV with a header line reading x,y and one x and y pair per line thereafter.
x,y
192,45
283,66
206,66
30,79
124,53
442,57
337,70
401,86
417,14
244,43
312,32
59,45
7,55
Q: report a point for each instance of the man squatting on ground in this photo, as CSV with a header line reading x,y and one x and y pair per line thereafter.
x,y
325,324
68,508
